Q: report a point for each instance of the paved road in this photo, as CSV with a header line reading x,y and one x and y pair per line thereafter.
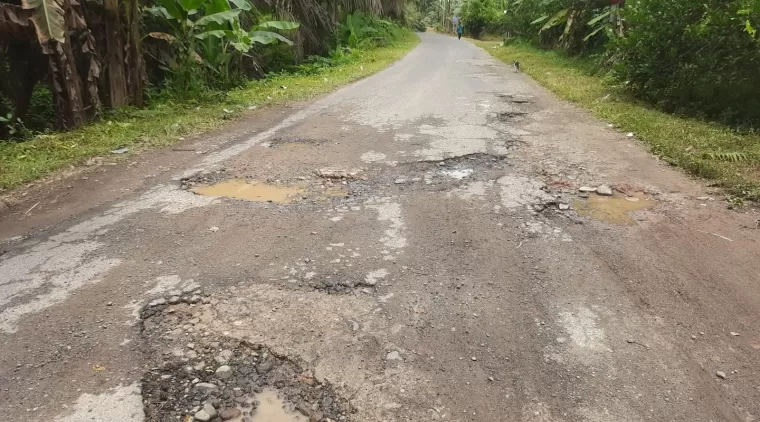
x,y
425,255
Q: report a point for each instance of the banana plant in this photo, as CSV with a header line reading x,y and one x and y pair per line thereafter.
x,y
48,18
212,28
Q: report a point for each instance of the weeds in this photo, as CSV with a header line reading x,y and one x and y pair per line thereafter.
x,y
709,150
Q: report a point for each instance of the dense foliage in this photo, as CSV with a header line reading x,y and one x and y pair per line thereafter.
x,y
693,57
78,60
477,15
436,14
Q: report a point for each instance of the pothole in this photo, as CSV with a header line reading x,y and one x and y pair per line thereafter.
x,y
443,174
271,408
510,115
197,376
338,285
204,178
514,98
251,191
615,209
477,156
293,142
334,186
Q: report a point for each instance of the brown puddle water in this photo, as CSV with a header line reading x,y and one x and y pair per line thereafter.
x,y
251,191
272,409
615,209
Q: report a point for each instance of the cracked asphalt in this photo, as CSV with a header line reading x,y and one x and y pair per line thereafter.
x,y
417,242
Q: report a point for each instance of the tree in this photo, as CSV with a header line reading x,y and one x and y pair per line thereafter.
x,y
477,15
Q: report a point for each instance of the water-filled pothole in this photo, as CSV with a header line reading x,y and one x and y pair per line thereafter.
x,y
272,409
251,191
614,209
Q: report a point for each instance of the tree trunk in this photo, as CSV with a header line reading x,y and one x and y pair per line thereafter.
x,y
135,70
66,85
117,82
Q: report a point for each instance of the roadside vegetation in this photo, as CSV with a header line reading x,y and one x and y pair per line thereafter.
x,y
80,79
706,149
681,75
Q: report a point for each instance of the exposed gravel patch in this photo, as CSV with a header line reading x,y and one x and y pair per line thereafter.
x,y
195,376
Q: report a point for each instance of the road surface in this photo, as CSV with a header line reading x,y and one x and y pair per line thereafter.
x,y
413,247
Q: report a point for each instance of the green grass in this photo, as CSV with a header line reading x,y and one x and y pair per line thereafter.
x,y
727,157
166,122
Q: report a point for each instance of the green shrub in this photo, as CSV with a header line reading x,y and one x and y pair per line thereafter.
x,y
695,58
414,18
365,31
477,15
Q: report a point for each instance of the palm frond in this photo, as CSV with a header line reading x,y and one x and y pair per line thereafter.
x,y
316,30
733,156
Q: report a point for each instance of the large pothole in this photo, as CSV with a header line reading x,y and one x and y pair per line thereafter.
x,y
197,376
224,184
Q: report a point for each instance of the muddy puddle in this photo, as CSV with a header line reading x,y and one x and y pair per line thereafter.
x,y
615,209
251,191
272,409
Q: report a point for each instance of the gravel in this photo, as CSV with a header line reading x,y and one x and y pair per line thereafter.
x,y
224,372
206,414
604,190
180,388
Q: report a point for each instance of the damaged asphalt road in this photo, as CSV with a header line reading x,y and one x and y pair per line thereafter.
x,y
431,243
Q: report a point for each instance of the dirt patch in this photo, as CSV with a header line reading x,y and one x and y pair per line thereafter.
x,y
200,377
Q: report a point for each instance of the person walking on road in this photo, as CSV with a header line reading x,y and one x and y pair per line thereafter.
x,y
460,30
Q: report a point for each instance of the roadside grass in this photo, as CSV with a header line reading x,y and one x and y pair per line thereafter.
x,y
166,122
729,158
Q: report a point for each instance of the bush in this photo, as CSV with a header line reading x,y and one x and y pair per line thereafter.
x,y
414,18
364,31
477,15
696,58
